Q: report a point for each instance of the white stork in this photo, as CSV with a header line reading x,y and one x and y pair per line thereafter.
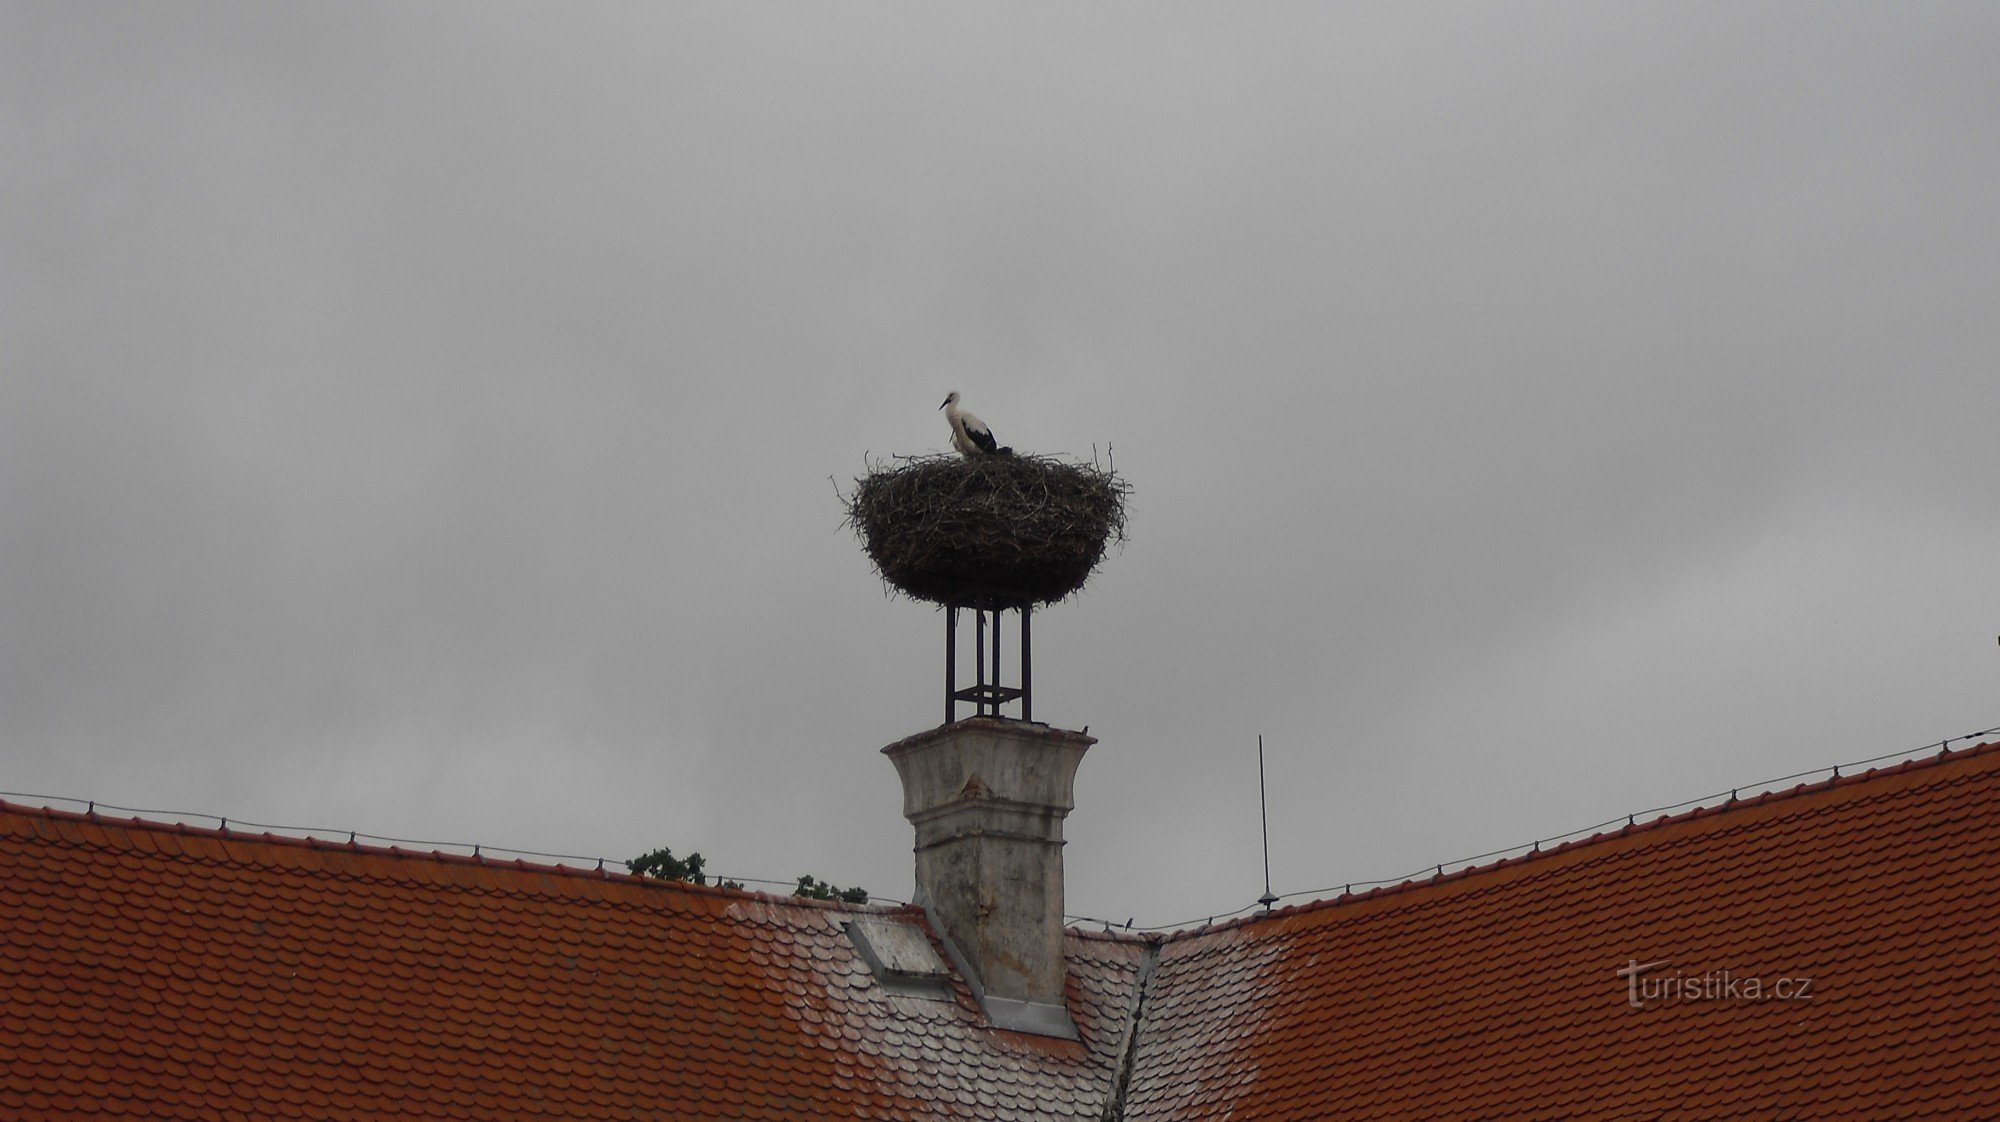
x,y
969,434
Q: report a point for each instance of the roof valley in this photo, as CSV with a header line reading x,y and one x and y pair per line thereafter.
x,y
1128,1047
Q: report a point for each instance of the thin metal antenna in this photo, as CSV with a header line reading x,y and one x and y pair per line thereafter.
x,y
1264,815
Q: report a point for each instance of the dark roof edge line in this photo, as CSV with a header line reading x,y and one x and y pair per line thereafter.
x,y
224,834
1128,1047
1632,827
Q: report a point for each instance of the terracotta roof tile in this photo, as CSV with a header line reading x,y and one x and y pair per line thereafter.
x,y
156,971
1493,993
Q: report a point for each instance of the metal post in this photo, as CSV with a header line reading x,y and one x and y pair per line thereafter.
x,y
988,693
950,664
1264,820
997,661
1027,669
979,652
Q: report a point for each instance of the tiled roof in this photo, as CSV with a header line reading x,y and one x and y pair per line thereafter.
x,y
1495,993
157,971
154,971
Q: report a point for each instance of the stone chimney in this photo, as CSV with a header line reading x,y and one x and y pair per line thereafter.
x,y
988,797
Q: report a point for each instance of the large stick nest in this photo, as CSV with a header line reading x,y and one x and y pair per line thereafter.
x,y
988,532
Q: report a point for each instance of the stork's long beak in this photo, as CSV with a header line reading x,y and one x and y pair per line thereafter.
x,y
947,401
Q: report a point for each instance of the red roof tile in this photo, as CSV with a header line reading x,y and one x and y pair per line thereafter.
x,y
1495,993
155,971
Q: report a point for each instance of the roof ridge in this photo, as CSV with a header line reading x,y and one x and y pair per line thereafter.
x,y
1113,933
1632,827
474,859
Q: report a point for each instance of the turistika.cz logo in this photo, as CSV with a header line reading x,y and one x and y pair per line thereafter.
x,y
1645,987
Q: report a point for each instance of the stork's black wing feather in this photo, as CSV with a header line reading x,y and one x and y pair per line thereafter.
x,y
983,437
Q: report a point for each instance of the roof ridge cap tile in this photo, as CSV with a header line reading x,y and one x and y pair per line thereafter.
x,y
214,843
1116,935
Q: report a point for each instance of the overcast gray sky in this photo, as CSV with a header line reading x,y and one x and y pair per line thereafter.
x,y
419,418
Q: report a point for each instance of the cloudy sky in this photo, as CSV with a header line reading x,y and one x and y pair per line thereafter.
x,y
427,419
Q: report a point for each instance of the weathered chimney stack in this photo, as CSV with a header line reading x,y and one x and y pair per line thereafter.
x,y
988,797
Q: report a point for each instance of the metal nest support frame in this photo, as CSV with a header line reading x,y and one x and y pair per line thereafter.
x,y
986,693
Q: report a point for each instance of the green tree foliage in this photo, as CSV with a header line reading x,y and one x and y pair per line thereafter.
x,y
820,890
661,864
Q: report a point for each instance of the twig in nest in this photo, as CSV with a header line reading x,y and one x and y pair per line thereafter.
x,y
1001,531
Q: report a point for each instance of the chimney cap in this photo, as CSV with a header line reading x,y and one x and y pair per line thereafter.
x,y
996,724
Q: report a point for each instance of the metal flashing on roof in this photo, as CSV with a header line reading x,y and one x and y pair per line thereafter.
x,y
1036,1017
1040,1018
901,957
